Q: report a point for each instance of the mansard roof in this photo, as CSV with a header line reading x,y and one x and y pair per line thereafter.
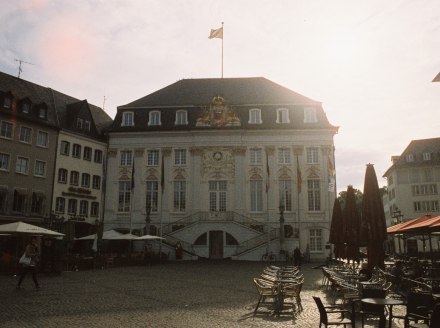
x,y
237,95
237,91
57,103
417,148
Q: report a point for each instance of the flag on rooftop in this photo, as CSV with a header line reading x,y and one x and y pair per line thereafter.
x,y
216,34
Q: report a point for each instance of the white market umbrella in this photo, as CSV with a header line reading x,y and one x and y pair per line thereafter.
x,y
149,237
21,228
109,234
127,236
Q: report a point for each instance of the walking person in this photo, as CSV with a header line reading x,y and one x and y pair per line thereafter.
x,y
32,253
297,257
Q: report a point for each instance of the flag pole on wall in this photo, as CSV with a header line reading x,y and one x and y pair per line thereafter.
x,y
218,34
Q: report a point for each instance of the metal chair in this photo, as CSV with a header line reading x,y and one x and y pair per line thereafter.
x,y
372,309
324,311
265,290
431,321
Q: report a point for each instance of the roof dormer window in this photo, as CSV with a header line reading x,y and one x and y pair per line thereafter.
x,y
154,118
7,102
25,108
255,116
410,158
79,123
181,117
283,115
426,156
42,113
310,115
127,119
87,125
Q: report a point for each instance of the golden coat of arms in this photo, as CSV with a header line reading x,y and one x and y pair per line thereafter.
x,y
218,114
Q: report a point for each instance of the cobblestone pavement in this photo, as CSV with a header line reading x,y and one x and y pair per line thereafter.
x,y
174,294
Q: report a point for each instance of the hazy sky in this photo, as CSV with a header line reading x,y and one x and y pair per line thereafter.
x,y
370,63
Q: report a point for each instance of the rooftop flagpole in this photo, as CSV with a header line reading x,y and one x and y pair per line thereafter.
x,y
218,34
222,46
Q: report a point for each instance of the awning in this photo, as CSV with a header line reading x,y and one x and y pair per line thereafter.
x,y
413,226
422,226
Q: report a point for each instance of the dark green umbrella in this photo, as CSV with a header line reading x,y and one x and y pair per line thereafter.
x,y
374,230
337,230
352,226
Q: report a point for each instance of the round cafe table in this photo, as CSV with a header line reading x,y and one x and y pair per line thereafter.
x,y
384,301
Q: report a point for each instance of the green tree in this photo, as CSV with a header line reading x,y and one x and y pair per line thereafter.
x,y
358,194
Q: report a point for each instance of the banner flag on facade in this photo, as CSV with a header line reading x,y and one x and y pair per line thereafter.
x,y
437,78
216,34
331,168
267,173
162,176
298,175
331,184
132,177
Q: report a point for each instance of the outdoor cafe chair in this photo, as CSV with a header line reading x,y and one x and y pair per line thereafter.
x,y
371,309
265,290
418,307
431,321
332,310
293,291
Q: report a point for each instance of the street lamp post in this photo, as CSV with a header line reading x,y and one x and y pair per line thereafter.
x,y
281,208
147,220
397,216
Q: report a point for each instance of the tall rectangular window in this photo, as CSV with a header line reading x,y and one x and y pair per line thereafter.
x,y
94,209
19,202
62,176
153,157
98,156
37,203
283,156
124,196
217,196
84,208
179,196
25,134
283,115
256,193
96,182
64,148
256,155
60,205
314,195
6,130
87,154
126,158
315,240
180,156
40,168
74,178
72,206
4,162
312,155
22,165
285,194
85,180
152,194
42,139
76,151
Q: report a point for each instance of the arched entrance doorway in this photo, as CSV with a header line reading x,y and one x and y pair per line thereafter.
x,y
216,244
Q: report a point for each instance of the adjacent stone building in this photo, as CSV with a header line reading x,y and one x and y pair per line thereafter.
x,y
46,135
413,182
230,168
